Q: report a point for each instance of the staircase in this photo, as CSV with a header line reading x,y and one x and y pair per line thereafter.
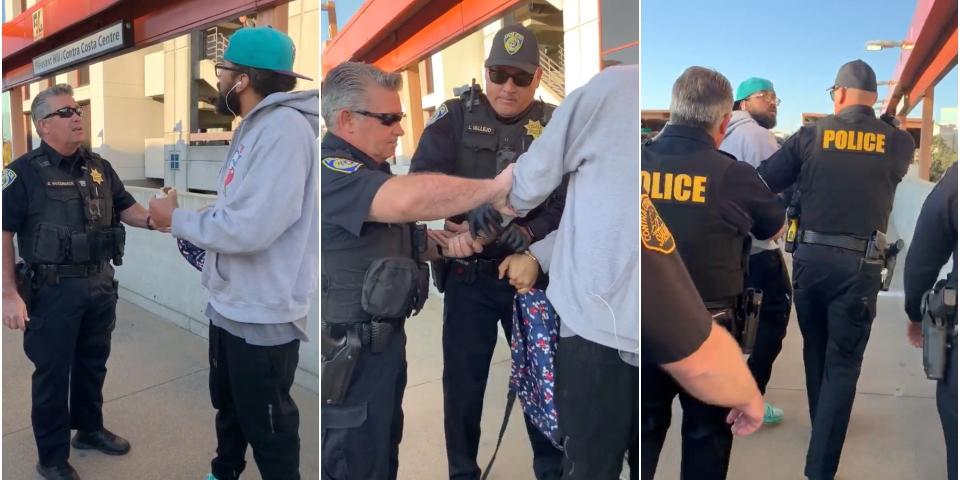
x,y
553,78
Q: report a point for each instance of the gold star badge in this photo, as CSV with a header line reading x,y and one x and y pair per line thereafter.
x,y
96,176
534,128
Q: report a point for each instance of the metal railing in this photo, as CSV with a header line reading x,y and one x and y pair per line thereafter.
x,y
216,44
553,76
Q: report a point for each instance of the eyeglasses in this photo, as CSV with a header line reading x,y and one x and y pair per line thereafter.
x,y
65,112
386,119
833,91
520,79
219,68
770,97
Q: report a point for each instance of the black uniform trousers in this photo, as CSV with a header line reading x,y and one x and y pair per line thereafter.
x,y
250,388
598,406
768,272
473,304
947,407
706,436
68,341
361,437
836,302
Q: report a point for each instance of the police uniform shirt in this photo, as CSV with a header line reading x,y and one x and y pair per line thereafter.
x,y
23,189
440,145
349,179
934,239
673,320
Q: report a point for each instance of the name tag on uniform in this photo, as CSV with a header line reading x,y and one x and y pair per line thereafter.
x,y
59,184
677,187
477,128
853,141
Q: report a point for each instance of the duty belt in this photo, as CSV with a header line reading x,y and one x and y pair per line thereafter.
x,y
846,242
51,273
373,335
480,265
724,304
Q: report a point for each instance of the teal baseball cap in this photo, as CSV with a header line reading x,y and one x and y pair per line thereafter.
x,y
752,85
263,48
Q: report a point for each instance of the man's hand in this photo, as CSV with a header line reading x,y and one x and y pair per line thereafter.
x,y
161,210
462,245
504,183
440,237
516,237
485,221
914,333
522,270
748,418
456,227
14,311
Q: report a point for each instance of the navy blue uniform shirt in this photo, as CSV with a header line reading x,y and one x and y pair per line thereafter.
x,y
345,196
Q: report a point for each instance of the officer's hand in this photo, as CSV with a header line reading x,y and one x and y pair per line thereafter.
x,y
161,209
914,334
748,418
485,221
14,311
456,227
516,237
440,237
522,269
462,245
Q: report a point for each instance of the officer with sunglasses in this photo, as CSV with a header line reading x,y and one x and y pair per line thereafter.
x,y
476,136
65,204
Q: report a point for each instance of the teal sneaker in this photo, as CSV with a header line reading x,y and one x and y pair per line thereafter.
x,y
210,477
771,415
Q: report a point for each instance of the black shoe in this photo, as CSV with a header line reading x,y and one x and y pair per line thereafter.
x,y
62,471
104,440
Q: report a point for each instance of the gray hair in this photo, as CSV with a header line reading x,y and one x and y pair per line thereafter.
x,y
701,97
344,88
40,107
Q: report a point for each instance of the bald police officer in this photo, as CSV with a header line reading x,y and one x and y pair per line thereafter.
x,y
848,166
477,136
711,203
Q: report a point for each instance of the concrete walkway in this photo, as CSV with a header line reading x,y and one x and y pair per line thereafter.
x,y
156,396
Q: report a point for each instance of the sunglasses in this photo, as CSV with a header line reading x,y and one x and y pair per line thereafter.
x,y
833,91
386,119
65,112
520,79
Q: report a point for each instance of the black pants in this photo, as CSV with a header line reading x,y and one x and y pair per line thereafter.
x,y
68,341
361,437
947,407
836,302
768,273
706,437
250,388
597,405
471,312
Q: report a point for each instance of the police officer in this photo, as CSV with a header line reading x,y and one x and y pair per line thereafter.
x,y
476,136
711,203
372,271
934,239
65,204
848,166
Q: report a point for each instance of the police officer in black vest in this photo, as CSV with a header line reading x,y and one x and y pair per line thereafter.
x,y
65,204
848,166
373,274
476,136
934,240
711,203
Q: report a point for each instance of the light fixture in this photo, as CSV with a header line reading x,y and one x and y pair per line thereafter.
x,y
877,45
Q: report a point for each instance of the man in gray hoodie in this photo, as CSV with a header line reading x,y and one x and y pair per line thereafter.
x,y
749,139
262,242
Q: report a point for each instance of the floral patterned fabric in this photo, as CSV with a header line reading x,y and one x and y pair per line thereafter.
x,y
533,346
194,254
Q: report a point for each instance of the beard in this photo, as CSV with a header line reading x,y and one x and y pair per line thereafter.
x,y
225,104
765,119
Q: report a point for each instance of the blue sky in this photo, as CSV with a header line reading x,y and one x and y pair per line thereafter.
x,y
345,10
797,45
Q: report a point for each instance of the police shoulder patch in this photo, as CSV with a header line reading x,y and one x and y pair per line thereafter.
x,y
653,231
342,165
442,111
8,177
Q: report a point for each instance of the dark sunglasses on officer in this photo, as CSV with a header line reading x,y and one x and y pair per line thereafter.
x,y
520,79
386,119
65,112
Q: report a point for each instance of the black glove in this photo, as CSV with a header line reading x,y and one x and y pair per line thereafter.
x,y
516,238
484,221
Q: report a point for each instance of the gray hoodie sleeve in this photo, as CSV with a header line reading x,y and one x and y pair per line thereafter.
x,y
543,250
266,202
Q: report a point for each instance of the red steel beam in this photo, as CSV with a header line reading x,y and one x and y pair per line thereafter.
x,y
401,33
58,15
153,22
941,64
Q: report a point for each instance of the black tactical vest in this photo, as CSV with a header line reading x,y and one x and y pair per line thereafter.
x,y
343,265
847,186
684,189
76,222
488,145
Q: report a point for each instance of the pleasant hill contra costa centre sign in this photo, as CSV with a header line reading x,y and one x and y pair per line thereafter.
x,y
112,38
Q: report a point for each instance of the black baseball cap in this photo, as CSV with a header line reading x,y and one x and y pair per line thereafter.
x,y
856,74
515,46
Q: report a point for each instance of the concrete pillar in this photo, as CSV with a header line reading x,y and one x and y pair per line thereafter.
x,y
276,17
926,136
412,103
19,129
